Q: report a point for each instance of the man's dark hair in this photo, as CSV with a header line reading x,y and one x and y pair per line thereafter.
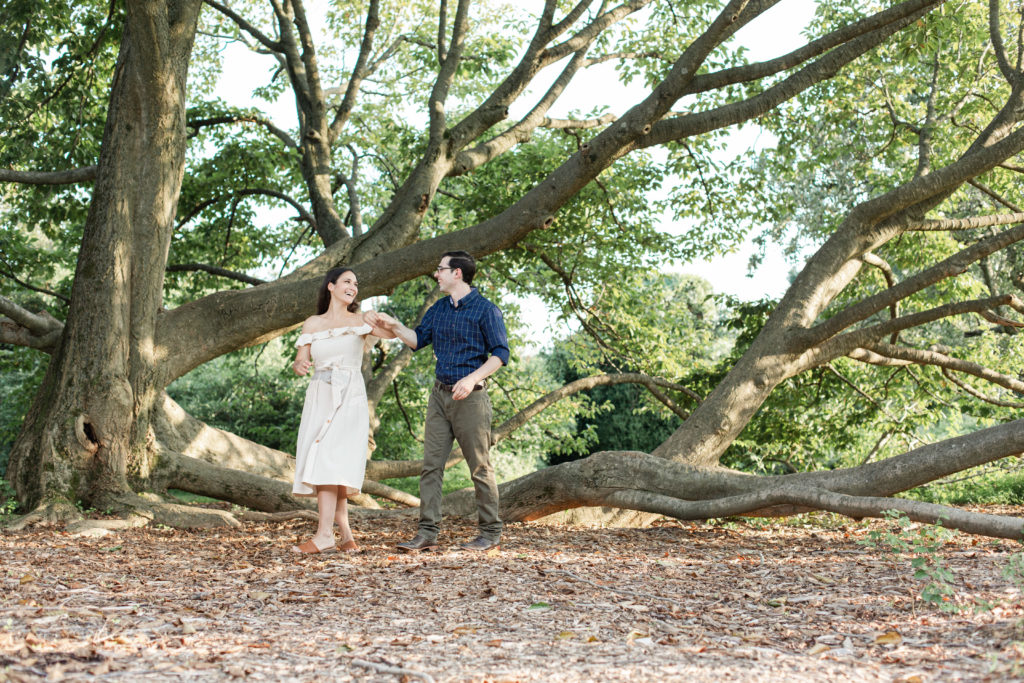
x,y
464,262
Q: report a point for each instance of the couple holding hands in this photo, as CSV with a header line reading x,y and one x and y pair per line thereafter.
x,y
470,343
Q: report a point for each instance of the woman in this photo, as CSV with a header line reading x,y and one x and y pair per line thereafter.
x,y
330,456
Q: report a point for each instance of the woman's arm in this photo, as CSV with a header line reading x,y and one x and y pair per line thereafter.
x,y
303,360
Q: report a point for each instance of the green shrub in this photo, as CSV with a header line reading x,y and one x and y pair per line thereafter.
x,y
990,485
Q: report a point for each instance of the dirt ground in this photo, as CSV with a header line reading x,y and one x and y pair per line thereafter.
x,y
738,601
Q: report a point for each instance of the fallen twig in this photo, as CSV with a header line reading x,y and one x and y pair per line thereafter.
x,y
384,668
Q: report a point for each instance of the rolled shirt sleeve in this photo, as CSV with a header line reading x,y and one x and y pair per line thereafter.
x,y
495,335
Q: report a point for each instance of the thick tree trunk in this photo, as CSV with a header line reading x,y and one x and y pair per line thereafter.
x,y
87,435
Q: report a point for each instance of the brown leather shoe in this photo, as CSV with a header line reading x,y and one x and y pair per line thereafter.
x,y
481,545
420,542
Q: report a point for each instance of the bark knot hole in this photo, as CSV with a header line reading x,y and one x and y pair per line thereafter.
x,y
86,435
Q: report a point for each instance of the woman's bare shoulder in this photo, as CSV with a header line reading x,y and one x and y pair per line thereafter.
x,y
314,323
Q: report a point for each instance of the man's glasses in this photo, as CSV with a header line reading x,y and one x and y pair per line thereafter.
x,y
440,268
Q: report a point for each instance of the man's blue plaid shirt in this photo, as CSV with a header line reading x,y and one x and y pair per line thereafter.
x,y
464,336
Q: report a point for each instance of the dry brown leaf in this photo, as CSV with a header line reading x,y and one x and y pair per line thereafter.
x,y
889,638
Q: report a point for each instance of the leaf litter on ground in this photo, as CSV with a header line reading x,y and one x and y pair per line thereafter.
x,y
675,601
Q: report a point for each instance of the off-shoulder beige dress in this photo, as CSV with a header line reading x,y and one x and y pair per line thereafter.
x,y
335,426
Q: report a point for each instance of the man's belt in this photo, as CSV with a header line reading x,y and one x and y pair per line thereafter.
x,y
451,387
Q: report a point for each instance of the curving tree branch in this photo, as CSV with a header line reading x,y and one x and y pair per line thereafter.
x,y
844,344
949,267
688,125
974,222
1011,75
577,124
938,357
215,270
815,48
873,259
86,174
977,394
359,73
272,45
250,192
521,131
196,124
23,328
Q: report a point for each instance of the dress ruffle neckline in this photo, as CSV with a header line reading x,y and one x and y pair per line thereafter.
x,y
333,332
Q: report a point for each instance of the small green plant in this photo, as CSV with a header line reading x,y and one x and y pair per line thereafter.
x,y
8,501
923,546
1014,571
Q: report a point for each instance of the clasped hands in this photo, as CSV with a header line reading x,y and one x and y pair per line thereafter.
x,y
382,320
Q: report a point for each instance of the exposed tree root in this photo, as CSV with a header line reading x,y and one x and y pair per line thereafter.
x,y
102,527
819,499
179,432
384,491
53,512
645,483
154,510
191,517
363,499
254,516
242,488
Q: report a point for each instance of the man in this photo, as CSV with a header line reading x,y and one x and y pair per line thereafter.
x,y
470,343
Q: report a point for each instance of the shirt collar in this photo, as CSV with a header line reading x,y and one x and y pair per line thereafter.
x,y
473,294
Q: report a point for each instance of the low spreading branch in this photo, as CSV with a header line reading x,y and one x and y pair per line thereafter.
x,y
857,507
86,174
642,482
375,488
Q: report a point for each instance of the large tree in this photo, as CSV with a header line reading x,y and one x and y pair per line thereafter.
x,y
394,136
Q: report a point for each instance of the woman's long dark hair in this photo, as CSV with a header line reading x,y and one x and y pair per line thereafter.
x,y
323,299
